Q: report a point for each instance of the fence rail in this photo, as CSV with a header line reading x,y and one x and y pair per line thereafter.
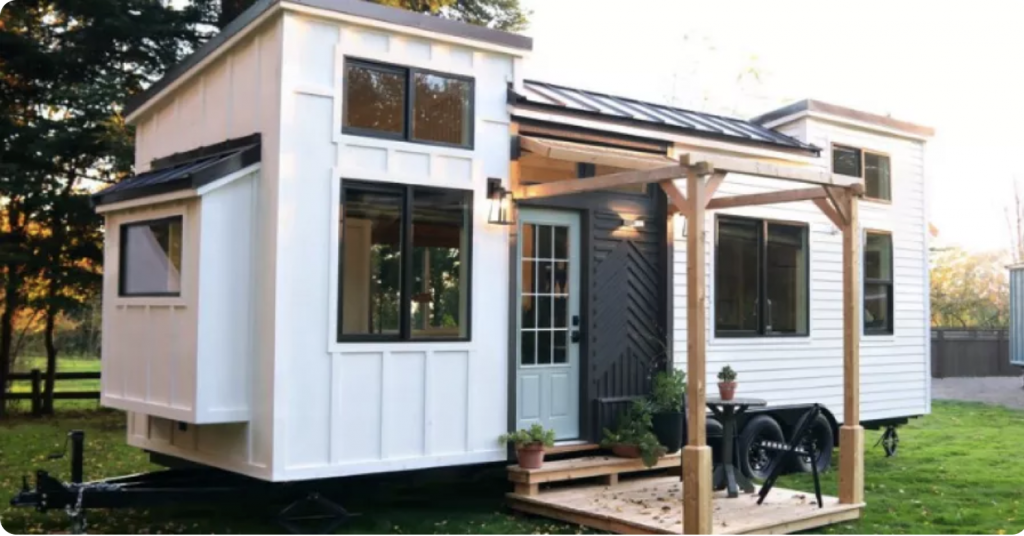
x,y
958,353
36,394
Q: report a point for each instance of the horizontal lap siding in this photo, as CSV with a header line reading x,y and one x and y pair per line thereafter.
x,y
894,368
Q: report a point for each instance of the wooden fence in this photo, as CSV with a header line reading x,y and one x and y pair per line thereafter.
x,y
36,394
958,353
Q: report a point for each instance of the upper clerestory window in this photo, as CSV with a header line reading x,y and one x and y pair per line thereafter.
x,y
408,104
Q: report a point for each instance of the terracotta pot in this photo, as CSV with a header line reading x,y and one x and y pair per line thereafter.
x,y
530,455
727,390
626,451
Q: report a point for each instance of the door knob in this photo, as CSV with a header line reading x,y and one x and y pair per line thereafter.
x,y
576,336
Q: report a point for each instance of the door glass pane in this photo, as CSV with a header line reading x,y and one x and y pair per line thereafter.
x,y
440,247
528,238
561,277
786,283
876,176
529,312
544,276
561,312
544,350
371,261
544,312
374,98
545,234
561,350
527,349
441,109
561,242
876,307
736,276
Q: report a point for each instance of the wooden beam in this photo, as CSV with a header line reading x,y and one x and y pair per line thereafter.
x,y
567,187
830,211
716,180
839,202
773,170
851,434
581,152
676,197
697,490
770,198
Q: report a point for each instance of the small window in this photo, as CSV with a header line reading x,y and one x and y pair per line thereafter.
x,y
873,167
761,285
408,104
405,254
150,258
878,284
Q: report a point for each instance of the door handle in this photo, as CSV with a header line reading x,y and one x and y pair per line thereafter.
x,y
576,336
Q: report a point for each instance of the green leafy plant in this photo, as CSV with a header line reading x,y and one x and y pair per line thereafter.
x,y
535,434
634,428
727,374
667,391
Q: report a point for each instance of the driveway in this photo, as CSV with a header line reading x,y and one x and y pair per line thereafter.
x,y
1003,391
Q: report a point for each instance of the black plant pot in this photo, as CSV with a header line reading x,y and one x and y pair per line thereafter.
x,y
668,428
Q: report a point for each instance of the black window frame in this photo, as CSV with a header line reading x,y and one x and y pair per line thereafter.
x,y
404,334
122,261
890,286
410,104
762,290
863,169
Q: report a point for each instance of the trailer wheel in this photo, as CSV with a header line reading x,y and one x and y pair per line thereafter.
x,y
821,434
755,460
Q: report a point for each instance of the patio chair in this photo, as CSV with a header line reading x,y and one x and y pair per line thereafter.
x,y
801,443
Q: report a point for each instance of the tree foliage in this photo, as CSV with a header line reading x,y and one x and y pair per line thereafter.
x,y
969,290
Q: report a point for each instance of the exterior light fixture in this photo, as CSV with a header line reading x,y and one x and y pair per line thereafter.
x,y
635,223
501,203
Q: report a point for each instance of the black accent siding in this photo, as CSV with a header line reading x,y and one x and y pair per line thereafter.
x,y
624,312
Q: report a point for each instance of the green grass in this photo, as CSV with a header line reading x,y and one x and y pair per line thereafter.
x,y
959,470
26,364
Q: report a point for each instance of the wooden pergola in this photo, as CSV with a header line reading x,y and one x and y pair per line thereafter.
x,y
835,195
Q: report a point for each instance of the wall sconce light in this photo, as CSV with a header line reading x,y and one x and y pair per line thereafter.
x,y
501,203
635,223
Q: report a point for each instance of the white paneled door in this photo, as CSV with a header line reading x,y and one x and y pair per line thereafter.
x,y
548,370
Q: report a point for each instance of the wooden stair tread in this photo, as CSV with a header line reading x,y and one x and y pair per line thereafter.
x,y
586,467
569,448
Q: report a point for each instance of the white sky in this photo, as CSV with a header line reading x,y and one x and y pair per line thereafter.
x,y
955,66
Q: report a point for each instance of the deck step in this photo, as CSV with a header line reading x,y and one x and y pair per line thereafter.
x,y
570,448
609,468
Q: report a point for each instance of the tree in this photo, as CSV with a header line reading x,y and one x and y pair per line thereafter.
x,y
68,67
969,290
505,15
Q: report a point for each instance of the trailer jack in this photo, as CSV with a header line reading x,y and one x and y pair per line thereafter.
x,y
169,486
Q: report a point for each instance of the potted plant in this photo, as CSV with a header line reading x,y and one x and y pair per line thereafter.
x,y
633,438
530,445
727,383
667,393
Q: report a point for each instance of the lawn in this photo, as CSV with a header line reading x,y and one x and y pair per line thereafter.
x,y
958,471
26,364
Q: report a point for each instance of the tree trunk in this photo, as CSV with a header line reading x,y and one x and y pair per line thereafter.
x,y
7,331
51,359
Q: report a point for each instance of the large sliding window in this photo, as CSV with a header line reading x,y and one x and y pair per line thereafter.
x,y
403,103
878,287
761,283
405,254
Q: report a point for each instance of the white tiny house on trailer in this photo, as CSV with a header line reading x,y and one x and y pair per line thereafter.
x,y
304,279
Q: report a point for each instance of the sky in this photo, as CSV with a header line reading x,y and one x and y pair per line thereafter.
x,y
954,66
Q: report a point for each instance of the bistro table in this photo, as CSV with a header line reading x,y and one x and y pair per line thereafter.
x,y
726,475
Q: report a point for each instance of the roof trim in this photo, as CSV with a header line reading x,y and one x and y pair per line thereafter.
x,y
354,8
792,112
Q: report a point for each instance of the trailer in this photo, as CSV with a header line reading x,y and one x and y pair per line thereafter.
x,y
362,241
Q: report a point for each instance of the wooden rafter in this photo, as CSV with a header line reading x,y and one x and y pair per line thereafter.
x,y
573,186
770,198
714,182
830,211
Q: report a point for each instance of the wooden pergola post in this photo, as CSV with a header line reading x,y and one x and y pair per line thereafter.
x,y
697,454
851,434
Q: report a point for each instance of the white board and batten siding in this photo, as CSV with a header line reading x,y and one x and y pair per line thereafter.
x,y
352,408
895,369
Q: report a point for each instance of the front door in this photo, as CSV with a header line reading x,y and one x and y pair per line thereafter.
x,y
548,286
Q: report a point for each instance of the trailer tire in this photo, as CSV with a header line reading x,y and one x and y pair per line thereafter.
x,y
821,432
755,461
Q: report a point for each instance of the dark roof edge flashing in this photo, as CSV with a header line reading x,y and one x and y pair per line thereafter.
x,y
811,105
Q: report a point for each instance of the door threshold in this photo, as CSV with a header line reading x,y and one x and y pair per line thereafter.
x,y
574,445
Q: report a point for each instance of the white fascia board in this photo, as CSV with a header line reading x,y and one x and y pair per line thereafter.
x,y
228,179
846,122
681,140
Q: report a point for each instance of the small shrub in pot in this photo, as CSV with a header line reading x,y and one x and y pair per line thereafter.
x,y
668,390
727,383
530,445
633,438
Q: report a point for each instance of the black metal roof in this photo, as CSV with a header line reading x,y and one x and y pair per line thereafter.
x,y
609,107
185,171
358,8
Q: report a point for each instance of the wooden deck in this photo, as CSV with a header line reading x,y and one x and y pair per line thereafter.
x,y
654,506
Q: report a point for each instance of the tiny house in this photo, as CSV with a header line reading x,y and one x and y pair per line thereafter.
x,y
318,271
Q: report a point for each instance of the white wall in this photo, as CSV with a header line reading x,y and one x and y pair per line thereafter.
x,y
343,409
895,369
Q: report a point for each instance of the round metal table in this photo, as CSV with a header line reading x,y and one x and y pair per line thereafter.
x,y
726,475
